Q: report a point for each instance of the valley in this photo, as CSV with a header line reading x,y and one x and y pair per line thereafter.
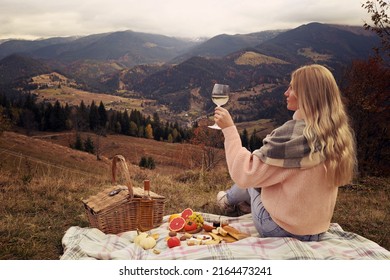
x,y
54,87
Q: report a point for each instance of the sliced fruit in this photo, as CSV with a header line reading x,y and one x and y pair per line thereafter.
x,y
171,217
177,224
190,225
186,213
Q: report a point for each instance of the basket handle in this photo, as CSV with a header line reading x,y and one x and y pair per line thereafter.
x,y
122,160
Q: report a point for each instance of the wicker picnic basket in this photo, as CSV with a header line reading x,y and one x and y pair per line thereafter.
x,y
121,208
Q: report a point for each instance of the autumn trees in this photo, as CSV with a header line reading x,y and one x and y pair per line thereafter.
x,y
380,23
210,142
367,90
366,86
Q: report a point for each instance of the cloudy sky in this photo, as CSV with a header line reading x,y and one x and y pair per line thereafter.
x,y
31,19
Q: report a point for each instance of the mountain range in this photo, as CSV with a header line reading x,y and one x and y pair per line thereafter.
x,y
132,48
167,68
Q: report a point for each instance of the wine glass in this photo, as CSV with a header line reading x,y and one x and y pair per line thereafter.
x,y
219,95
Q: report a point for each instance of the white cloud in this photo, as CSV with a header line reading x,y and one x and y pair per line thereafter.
x,y
47,18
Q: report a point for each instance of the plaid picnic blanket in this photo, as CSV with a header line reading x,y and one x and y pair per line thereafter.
x,y
91,243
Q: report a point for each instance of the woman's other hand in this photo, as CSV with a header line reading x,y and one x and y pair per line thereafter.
x,y
222,117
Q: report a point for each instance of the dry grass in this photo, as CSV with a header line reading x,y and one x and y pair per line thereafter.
x,y
41,195
364,208
36,210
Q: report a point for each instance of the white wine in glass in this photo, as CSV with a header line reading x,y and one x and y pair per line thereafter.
x,y
220,96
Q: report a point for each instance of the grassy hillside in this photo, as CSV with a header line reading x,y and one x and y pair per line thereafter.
x,y
52,87
252,58
42,182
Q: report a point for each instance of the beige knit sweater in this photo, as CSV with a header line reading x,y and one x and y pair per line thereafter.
x,y
301,201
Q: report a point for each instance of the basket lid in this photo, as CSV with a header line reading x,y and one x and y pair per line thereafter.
x,y
114,196
108,198
139,192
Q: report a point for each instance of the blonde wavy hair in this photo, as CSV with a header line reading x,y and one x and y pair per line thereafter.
x,y
327,123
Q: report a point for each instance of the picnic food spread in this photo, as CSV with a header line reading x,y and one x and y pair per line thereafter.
x,y
189,228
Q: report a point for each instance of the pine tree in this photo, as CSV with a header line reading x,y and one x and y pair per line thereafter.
x,y
158,133
142,162
88,145
244,139
125,124
46,124
254,141
102,115
133,131
57,117
93,116
141,131
136,117
82,117
78,145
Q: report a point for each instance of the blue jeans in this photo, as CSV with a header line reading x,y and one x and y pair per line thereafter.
x,y
261,218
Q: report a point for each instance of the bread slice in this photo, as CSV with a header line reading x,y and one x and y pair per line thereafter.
x,y
235,233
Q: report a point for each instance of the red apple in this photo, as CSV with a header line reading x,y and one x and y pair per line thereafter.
x,y
173,242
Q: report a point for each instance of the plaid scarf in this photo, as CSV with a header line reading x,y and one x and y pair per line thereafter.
x,y
286,146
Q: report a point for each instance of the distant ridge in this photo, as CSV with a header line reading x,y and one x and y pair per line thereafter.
x,y
26,47
337,41
222,45
16,67
128,47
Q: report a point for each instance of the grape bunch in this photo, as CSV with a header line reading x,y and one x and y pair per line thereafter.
x,y
197,218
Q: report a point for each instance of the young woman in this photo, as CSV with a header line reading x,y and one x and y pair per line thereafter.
x,y
300,165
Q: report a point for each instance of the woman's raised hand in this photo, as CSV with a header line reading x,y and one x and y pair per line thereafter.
x,y
222,117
